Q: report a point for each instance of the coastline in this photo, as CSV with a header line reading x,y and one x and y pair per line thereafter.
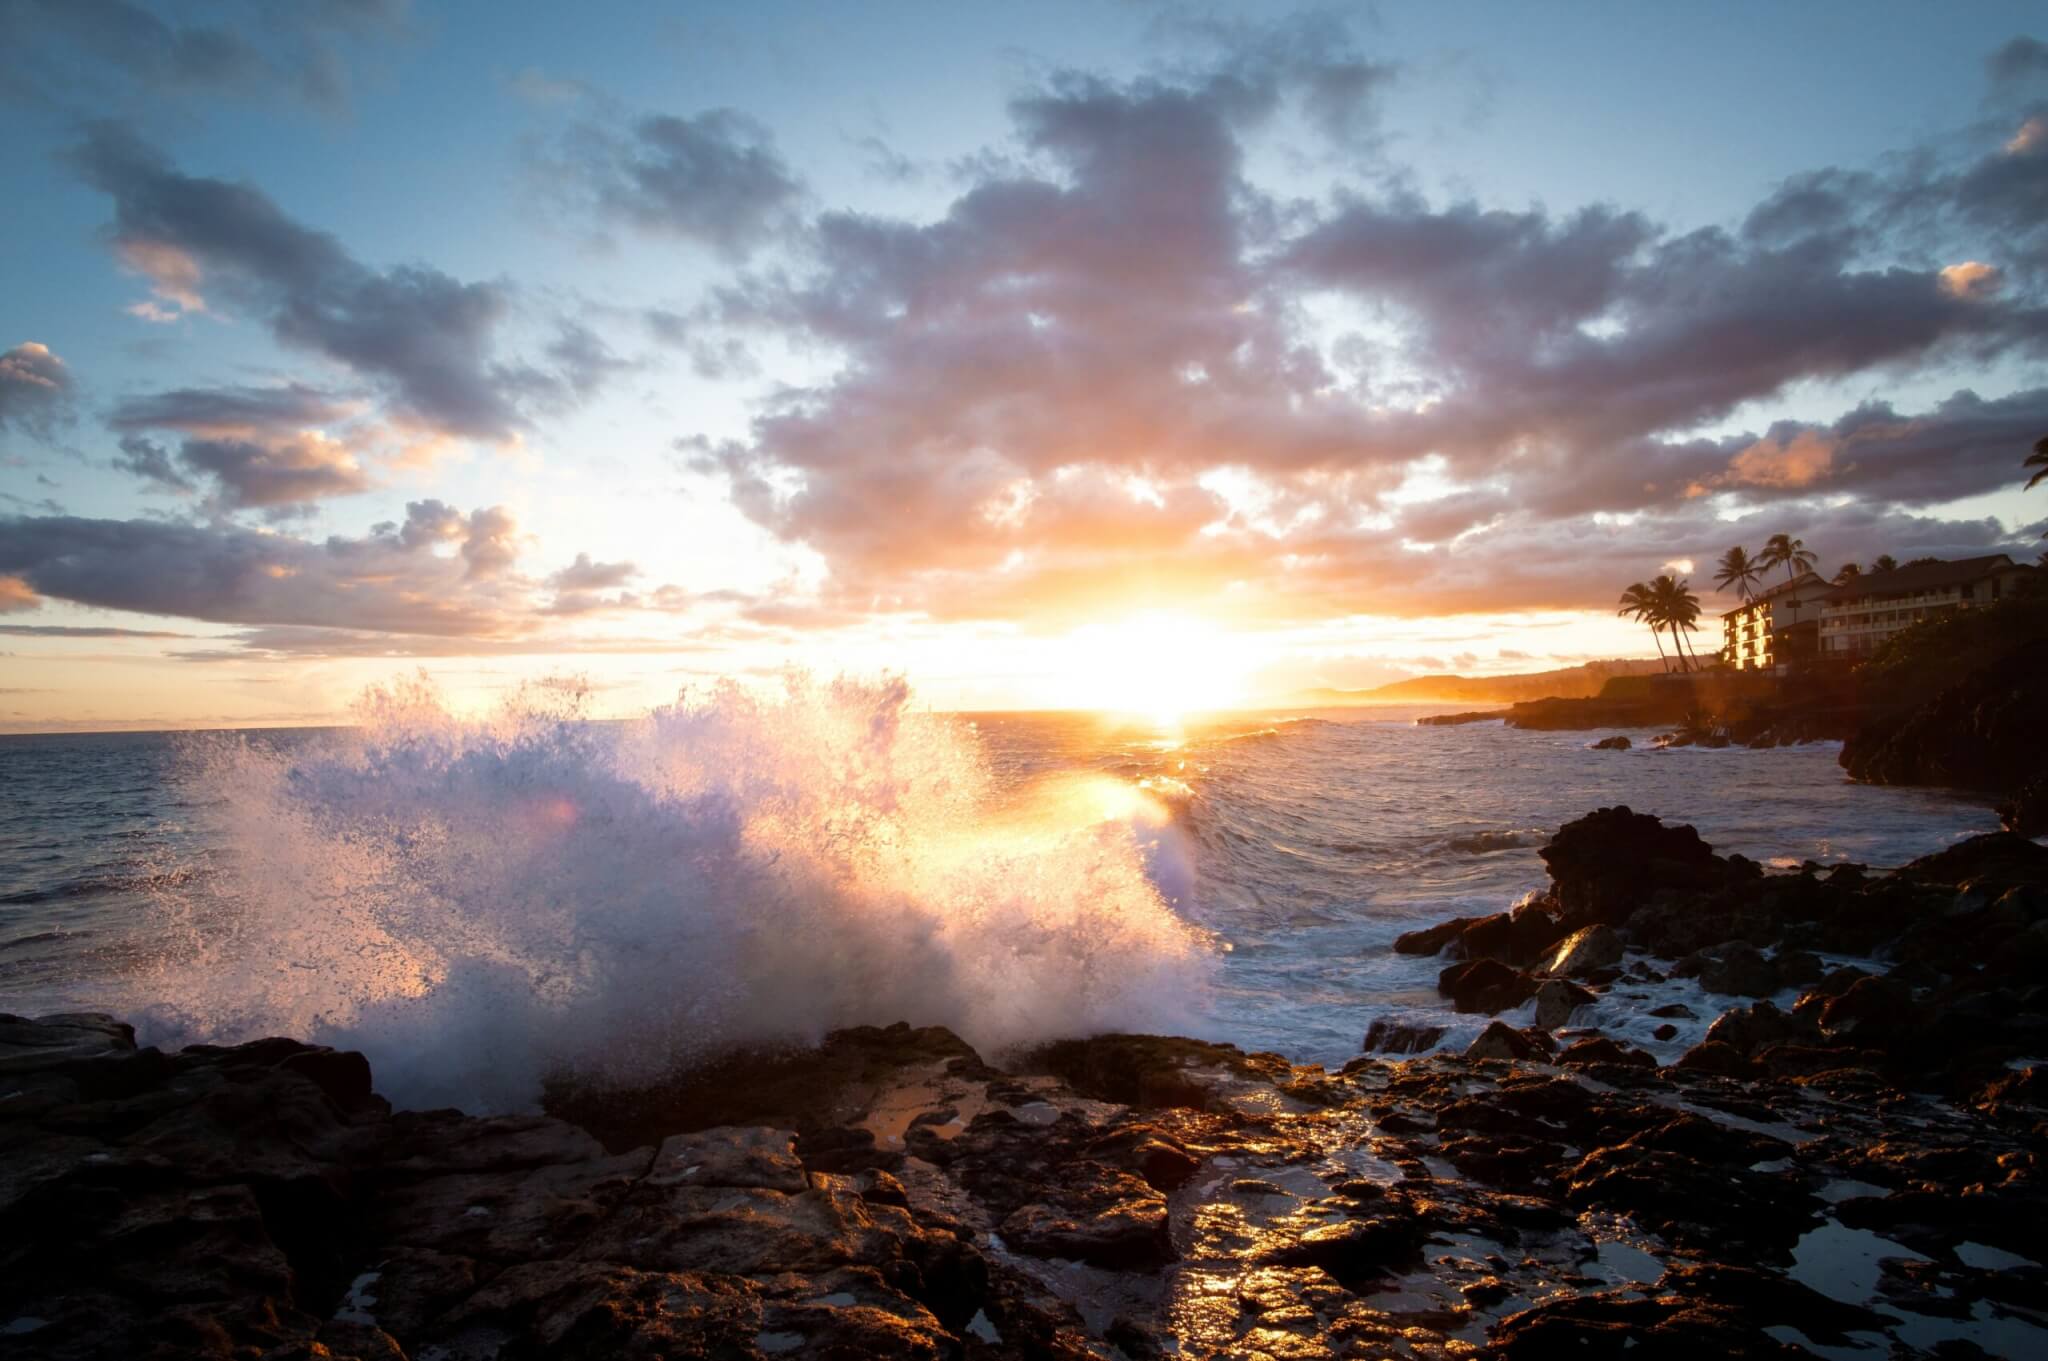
x,y
1861,1167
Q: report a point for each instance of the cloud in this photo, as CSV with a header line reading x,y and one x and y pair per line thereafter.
x,y
17,597
85,53
259,448
1113,371
397,579
715,178
76,631
425,339
35,388
585,575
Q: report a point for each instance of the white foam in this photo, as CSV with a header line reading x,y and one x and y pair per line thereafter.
x,y
479,903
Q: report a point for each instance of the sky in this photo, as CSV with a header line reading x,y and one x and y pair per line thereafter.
x,y
1050,355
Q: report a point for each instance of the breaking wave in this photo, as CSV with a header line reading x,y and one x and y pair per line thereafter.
x,y
479,904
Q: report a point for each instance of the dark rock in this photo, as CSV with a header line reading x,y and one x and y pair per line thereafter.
x,y
1519,937
1872,1010
1667,1031
1486,985
1718,1058
2025,812
1610,862
1601,1050
1748,1029
1736,968
1611,744
1984,732
1386,1036
1432,939
1556,1000
1502,1041
1585,950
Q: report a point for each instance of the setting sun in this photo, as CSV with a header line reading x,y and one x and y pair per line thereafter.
x,y
1160,665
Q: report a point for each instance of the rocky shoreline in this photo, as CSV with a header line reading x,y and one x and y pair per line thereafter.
x,y
1854,1172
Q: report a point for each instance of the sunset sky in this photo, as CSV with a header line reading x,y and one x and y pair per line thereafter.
x,y
1042,352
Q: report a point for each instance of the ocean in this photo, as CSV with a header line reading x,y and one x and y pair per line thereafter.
x,y
481,903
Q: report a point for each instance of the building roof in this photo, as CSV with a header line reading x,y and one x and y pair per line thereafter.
x,y
1927,576
1805,581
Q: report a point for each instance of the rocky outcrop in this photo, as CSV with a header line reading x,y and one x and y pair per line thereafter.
x,y
1987,731
891,1192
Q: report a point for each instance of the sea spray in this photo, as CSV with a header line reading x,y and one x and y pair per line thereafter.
x,y
480,903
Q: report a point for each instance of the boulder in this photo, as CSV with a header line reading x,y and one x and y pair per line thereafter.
x,y
1520,937
1486,985
1611,861
1556,1000
1872,1010
1735,968
1431,940
1585,950
1616,743
1502,1041
1748,1029
1386,1036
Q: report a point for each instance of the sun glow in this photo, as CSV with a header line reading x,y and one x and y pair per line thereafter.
x,y
1158,665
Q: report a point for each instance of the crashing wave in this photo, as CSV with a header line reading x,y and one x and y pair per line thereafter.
x,y
480,904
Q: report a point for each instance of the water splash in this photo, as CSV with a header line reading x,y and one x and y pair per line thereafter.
x,y
478,904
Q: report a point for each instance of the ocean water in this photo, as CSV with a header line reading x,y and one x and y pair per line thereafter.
x,y
480,903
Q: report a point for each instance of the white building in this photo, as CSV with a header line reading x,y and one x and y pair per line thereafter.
x,y
1862,612
1760,635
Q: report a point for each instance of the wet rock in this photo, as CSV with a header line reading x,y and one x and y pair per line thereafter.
x,y
1519,937
1585,950
1872,1010
1734,969
1608,863
1611,744
1432,939
1601,1050
1486,985
49,1040
1556,1000
1387,1036
1748,1029
1502,1041
1718,1058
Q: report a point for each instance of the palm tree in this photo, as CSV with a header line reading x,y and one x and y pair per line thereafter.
x,y
1737,569
1639,604
1676,607
1885,563
1782,550
1850,571
2038,459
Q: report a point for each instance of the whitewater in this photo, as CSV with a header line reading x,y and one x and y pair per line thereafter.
x,y
483,903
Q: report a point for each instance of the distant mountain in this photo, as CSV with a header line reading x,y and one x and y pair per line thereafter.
x,y
1571,682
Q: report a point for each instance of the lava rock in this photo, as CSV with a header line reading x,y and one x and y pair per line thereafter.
x,y
1486,985
1585,950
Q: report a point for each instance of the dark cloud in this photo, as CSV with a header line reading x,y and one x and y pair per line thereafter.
x,y
424,338
35,388
2023,60
87,53
256,448
77,631
394,580
715,178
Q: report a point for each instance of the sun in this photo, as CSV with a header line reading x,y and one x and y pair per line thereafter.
x,y
1159,665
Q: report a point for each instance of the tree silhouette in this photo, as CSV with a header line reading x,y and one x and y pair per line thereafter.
x,y
1739,571
1782,550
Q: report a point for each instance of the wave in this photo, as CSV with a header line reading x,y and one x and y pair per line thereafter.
x,y
480,904
1483,843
